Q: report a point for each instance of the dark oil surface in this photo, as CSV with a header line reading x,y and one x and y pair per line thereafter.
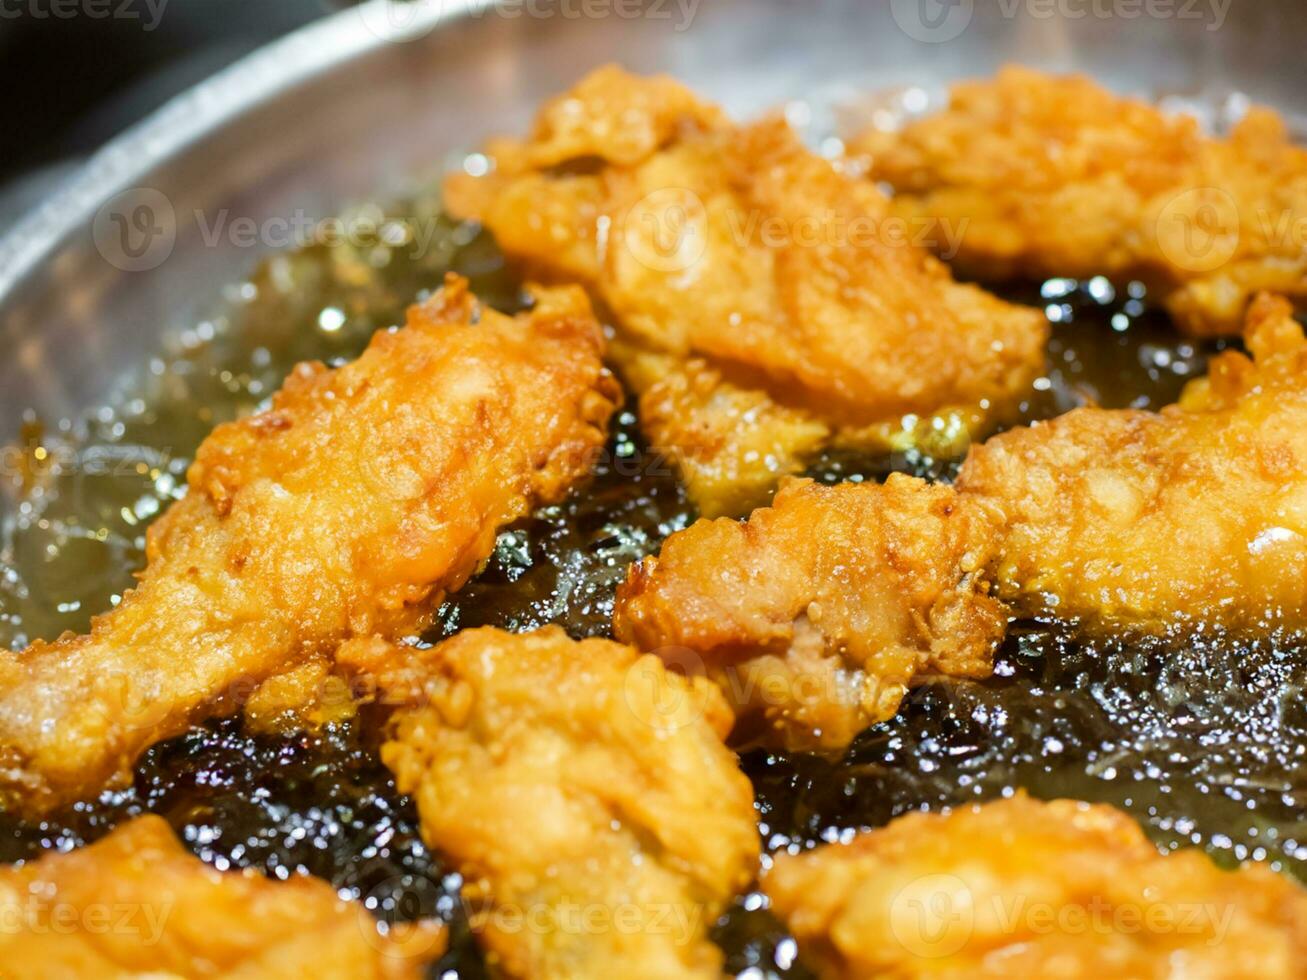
x,y
1205,746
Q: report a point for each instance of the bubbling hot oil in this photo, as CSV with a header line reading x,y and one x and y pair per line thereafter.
x,y
1203,746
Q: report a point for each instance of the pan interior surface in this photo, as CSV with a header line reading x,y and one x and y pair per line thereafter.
x,y
113,373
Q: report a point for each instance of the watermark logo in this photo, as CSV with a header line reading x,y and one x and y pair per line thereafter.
x,y
833,229
1198,229
403,898
936,915
400,20
933,21
658,690
136,230
933,916
404,920
667,230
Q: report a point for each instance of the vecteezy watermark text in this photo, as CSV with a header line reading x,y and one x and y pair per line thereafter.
x,y
938,21
147,12
1212,13
407,20
33,915
137,230
669,230
937,915
680,13
666,231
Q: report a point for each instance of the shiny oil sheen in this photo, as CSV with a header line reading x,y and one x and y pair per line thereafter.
x,y
1204,745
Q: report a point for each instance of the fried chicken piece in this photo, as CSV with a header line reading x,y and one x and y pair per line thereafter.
x,y
1019,888
1191,519
351,506
816,614
799,317
583,790
1058,177
137,904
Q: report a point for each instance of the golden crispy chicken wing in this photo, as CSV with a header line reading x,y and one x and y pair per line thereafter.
x,y
816,614
1190,519
1048,176
777,281
137,904
350,506
582,789
1019,888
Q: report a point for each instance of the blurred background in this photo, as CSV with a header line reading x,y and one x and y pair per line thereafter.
x,y
71,83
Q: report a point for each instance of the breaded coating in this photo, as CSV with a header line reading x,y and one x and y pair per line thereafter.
x,y
1020,888
728,443
1191,519
816,614
351,506
309,697
584,792
1048,176
769,273
138,904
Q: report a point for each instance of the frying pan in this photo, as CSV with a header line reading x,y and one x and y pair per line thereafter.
x,y
373,97
354,105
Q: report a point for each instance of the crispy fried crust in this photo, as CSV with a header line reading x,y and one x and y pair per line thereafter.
x,y
759,264
730,444
816,614
1164,523
584,792
351,506
137,904
1020,888
1058,177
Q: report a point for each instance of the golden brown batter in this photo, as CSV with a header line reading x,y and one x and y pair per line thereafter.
x,y
764,306
1049,176
817,613
584,792
351,506
137,904
1020,888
